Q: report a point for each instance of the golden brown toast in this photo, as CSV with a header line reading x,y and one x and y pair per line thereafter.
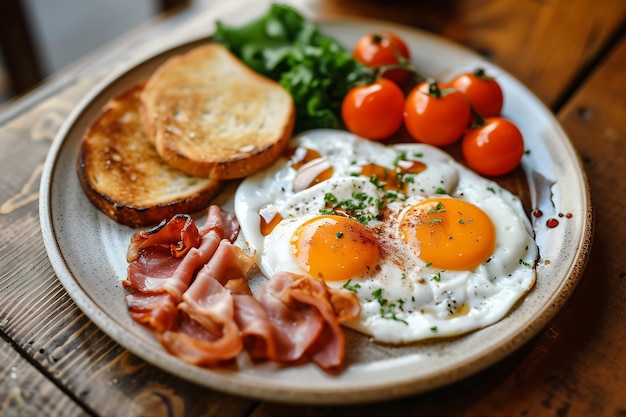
x,y
122,174
212,116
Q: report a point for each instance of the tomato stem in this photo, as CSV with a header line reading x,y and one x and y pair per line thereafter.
x,y
376,38
479,121
382,69
433,88
482,74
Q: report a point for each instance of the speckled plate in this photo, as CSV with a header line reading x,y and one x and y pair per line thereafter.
x,y
87,250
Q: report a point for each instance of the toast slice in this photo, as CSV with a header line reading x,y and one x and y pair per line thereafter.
x,y
123,176
212,116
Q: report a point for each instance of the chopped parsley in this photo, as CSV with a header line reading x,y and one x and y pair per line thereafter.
x,y
400,157
437,277
379,184
355,207
526,264
440,190
392,196
409,178
378,296
387,310
354,288
330,198
437,209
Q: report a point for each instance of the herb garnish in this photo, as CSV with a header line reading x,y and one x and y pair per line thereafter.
x,y
387,310
354,288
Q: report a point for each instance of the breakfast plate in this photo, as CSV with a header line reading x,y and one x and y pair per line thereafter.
x,y
88,250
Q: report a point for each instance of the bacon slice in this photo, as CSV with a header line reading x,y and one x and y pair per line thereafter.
x,y
167,259
159,311
215,336
222,222
193,291
210,305
179,234
308,297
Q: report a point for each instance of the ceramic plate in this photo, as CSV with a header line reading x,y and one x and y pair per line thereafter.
x,y
87,249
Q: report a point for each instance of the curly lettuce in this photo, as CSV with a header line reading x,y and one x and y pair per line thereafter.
x,y
314,68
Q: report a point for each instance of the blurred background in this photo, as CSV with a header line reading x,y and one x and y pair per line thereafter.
x,y
39,37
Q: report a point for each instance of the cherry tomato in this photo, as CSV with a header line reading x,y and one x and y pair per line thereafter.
x,y
375,50
434,116
494,148
483,92
373,111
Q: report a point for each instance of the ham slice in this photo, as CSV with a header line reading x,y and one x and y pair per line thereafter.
x,y
179,234
190,286
165,261
210,305
310,312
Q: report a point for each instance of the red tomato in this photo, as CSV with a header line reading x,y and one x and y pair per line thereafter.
x,y
483,92
436,117
494,148
375,50
373,111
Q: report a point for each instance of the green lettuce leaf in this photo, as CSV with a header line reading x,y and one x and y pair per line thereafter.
x,y
314,68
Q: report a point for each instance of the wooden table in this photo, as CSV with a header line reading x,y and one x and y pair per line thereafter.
x,y
572,55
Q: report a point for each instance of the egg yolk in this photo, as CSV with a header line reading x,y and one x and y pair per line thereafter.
x,y
448,233
335,248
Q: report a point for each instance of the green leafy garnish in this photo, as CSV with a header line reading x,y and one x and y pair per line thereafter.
x,y
354,288
387,310
437,209
314,68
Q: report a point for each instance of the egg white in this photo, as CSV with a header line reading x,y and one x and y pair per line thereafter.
x,y
404,300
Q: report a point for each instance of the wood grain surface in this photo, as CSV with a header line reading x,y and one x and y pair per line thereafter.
x,y
572,55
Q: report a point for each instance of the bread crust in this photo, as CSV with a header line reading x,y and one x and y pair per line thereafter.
x,y
122,174
212,116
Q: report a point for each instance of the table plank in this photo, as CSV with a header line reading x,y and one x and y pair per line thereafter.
x,y
25,391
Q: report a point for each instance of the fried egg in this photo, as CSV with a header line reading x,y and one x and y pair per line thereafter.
x,y
430,248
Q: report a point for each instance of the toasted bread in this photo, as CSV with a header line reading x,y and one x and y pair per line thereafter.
x,y
122,174
212,116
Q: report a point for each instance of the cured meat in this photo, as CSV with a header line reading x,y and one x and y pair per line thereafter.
x,y
190,286
159,311
178,235
224,223
166,260
309,303
168,257
211,307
